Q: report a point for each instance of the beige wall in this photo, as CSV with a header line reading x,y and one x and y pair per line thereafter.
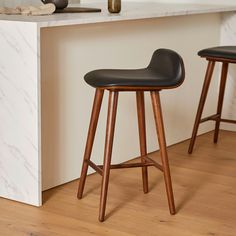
x,y
69,52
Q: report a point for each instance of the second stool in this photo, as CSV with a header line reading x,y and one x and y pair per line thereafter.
x,y
224,55
165,71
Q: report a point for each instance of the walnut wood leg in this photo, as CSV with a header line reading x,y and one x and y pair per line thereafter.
x,y
142,136
210,69
156,103
224,73
111,117
90,139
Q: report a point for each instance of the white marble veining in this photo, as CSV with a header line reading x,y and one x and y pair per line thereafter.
x,y
20,177
130,11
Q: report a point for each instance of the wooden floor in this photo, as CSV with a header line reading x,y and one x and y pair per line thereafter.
x,y
205,193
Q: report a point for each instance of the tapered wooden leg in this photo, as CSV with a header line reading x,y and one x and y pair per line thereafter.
x,y
156,103
111,118
210,69
90,139
224,73
142,135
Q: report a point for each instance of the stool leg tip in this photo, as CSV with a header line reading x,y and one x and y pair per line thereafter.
x,y
190,151
172,212
145,190
215,140
101,219
79,196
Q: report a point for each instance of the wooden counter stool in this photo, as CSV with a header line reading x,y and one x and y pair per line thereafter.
x,y
225,55
165,71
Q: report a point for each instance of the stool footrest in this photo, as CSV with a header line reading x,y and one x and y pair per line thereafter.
x,y
158,166
216,117
149,162
228,121
212,117
95,167
129,165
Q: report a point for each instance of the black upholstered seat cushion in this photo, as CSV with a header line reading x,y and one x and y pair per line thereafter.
x,y
166,69
225,52
140,77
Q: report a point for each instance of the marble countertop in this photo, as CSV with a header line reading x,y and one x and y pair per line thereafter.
x,y
130,11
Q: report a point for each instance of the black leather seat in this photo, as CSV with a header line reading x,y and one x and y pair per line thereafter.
x,y
165,70
225,52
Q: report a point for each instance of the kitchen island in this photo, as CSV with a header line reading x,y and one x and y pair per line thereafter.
x,y
45,104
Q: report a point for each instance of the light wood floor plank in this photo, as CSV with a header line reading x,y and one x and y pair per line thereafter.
x,y
204,187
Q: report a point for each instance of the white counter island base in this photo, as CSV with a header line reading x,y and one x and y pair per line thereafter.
x,y
42,63
20,177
